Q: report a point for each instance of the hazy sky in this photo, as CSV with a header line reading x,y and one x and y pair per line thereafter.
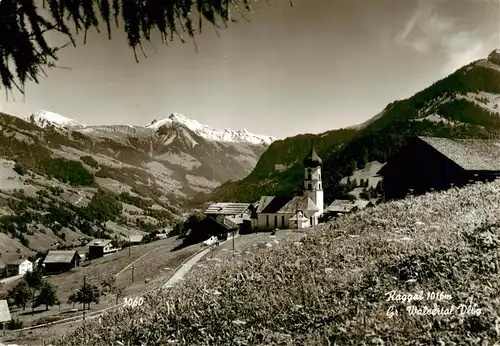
x,y
317,66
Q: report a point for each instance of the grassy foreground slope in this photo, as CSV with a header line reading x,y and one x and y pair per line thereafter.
x,y
331,287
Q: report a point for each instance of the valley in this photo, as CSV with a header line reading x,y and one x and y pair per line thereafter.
x,y
64,183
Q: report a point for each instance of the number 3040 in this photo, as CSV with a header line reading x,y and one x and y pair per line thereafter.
x,y
132,302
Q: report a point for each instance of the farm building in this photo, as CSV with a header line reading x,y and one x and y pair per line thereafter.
x,y
135,239
61,261
429,163
100,247
209,227
19,267
341,206
220,211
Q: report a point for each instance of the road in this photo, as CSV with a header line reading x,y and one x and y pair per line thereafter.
x,y
10,279
185,268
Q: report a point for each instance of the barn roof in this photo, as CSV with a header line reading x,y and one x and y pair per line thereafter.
x,y
470,154
341,206
301,203
60,256
99,242
135,238
227,208
237,219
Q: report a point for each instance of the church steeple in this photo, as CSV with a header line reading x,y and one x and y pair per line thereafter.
x,y
312,160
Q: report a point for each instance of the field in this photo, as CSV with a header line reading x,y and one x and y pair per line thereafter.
x,y
151,262
334,285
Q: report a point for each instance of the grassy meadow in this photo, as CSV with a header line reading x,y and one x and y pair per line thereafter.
x,y
331,288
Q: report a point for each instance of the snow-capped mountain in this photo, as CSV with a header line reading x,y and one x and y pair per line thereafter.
x,y
192,157
45,118
207,132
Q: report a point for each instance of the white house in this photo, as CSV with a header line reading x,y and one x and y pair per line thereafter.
x,y
20,267
294,211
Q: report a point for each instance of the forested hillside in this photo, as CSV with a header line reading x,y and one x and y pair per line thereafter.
x,y
462,105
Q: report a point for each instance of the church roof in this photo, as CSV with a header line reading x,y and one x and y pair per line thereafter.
x,y
272,204
312,159
298,203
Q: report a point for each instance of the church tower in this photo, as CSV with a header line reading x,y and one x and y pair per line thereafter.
x,y
313,186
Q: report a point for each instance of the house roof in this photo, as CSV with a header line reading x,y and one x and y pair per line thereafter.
x,y
470,154
227,208
362,203
99,242
19,261
237,219
341,206
301,203
272,204
135,238
60,256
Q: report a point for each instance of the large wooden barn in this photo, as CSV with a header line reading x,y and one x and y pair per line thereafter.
x,y
438,163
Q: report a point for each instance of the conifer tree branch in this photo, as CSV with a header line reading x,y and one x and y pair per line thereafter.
x,y
25,51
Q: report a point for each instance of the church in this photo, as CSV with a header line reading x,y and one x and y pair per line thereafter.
x,y
294,212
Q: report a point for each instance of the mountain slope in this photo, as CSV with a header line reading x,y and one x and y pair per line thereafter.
x,y
62,181
463,104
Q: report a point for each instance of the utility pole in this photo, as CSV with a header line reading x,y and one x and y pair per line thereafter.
x,y
233,239
129,245
133,274
84,294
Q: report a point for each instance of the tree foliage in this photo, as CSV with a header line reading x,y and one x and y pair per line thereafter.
x,y
25,51
86,295
46,296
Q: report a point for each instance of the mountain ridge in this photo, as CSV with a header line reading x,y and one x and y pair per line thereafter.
x,y
463,104
44,118
64,182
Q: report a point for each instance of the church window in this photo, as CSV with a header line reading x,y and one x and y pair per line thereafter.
x,y
311,220
309,176
309,186
267,220
320,185
283,221
275,220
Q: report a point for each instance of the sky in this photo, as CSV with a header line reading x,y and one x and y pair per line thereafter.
x,y
310,68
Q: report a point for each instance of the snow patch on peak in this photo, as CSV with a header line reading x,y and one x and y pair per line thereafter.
x,y
207,132
45,118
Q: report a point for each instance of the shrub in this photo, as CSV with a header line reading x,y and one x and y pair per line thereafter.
x,y
90,161
19,169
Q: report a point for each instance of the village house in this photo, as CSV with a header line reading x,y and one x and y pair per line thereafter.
x,y
19,267
100,247
341,207
60,261
220,211
135,239
284,212
209,227
428,163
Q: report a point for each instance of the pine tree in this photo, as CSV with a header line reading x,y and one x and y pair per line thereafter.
x,y
25,52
